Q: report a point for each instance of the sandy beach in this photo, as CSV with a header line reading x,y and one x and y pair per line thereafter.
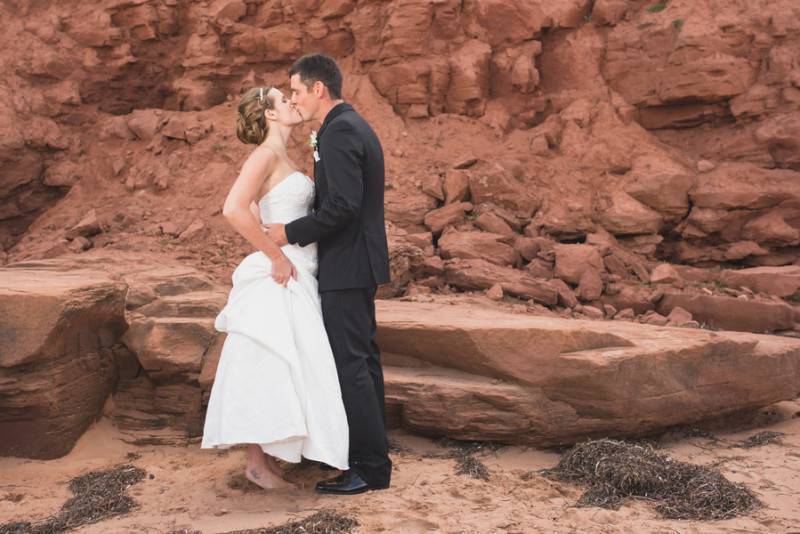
x,y
189,489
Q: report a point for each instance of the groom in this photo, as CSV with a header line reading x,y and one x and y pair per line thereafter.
x,y
347,225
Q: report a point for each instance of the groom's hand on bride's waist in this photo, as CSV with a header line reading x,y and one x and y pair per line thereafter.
x,y
276,232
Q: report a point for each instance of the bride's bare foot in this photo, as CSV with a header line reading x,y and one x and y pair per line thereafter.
x,y
273,466
267,479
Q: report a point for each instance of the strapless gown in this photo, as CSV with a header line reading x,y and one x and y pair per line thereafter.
x,y
276,384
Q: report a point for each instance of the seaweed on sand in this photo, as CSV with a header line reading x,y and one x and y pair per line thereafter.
x,y
762,438
615,470
98,495
322,522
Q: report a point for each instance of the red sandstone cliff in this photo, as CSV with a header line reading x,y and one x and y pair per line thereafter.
x,y
663,130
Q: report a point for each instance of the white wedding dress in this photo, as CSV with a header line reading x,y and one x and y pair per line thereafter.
x,y
276,383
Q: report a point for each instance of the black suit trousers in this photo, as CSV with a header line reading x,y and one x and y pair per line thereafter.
x,y
349,317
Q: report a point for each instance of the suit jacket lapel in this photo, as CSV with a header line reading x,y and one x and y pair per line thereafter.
x,y
335,111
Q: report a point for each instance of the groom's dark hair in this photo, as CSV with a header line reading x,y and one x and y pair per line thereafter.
x,y
319,68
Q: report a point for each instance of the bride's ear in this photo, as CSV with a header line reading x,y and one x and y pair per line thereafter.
x,y
270,115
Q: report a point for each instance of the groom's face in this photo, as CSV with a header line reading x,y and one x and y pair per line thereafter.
x,y
304,101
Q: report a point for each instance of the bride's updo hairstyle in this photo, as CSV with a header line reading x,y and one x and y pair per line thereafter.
x,y
251,126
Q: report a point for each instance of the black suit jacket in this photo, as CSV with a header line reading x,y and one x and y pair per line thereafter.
x,y
347,223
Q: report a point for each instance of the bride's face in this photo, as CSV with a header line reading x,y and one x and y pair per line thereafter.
x,y
283,112
305,100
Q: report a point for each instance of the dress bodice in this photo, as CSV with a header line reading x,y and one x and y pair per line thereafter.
x,y
291,199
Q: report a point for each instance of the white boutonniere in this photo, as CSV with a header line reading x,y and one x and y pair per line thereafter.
x,y
312,142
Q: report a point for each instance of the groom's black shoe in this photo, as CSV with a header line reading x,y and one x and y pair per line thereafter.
x,y
348,483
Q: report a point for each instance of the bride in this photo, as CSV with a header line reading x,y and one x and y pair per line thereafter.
x,y
276,387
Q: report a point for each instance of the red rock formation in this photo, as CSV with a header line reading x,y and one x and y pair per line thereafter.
x,y
638,133
544,381
557,121
60,333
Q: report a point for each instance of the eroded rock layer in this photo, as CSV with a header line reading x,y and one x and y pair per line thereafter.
x,y
477,374
60,331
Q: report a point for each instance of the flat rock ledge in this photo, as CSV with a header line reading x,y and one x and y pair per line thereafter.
x,y
73,333
59,331
475,373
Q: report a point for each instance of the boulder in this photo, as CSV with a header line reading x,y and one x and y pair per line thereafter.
x,y
743,249
484,374
490,222
432,185
477,245
514,219
194,230
86,227
654,318
570,221
592,312
451,214
678,316
493,183
566,297
527,247
641,68
145,123
730,313
779,281
456,186
186,127
170,348
732,186
407,209
573,260
664,273
624,215
495,292
771,228
781,135
505,22
79,244
609,11
660,183
626,314
590,286
480,274
58,332
628,296
540,268
422,240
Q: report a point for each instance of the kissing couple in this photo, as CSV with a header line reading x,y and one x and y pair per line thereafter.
x,y
300,372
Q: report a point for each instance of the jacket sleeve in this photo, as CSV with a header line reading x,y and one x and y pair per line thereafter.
x,y
341,154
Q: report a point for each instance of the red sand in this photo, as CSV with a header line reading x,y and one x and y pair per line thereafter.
x,y
191,488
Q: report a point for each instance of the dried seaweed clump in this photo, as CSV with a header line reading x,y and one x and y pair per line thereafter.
x,y
471,466
464,453
762,438
615,470
98,496
323,522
